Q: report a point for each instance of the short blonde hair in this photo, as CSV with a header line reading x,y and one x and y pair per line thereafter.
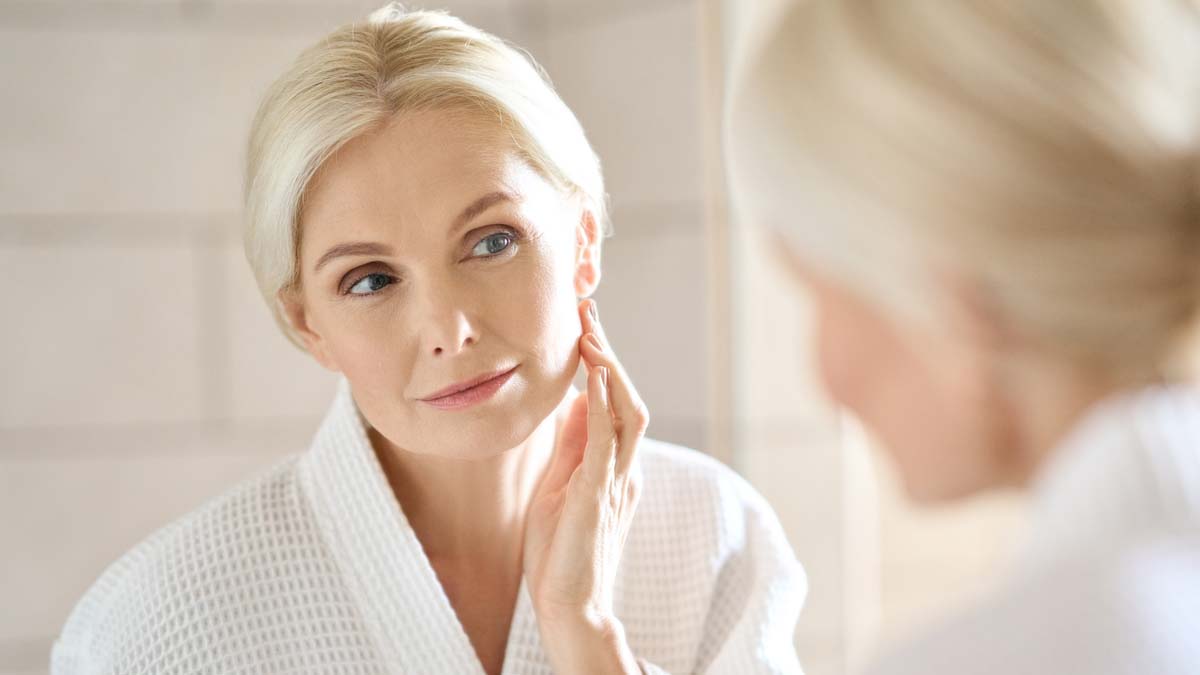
x,y
1047,150
363,74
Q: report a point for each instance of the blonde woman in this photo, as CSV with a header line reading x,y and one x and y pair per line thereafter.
x,y
995,205
424,215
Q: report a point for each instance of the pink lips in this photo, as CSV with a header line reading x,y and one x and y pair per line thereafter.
x,y
466,394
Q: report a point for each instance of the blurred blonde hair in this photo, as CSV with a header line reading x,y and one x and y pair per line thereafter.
x,y
362,75
1045,151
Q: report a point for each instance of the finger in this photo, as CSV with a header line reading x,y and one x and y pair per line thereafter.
x,y
568,445
633,418
601,444
592,325
591,320
630,416
585,313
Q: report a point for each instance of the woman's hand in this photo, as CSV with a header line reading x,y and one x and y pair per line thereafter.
x,y
581,514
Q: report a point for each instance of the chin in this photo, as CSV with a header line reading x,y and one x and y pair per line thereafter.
x,y
490,429
481,438
931,486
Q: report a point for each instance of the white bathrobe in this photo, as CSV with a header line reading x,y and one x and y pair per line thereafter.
x,y
1108,582
312,567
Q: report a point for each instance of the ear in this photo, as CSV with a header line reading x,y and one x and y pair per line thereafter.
x,y
587,254
293,310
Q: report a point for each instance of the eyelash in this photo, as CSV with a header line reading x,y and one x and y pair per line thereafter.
x,y
513,236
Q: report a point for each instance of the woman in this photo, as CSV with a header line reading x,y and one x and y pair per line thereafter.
x,y
425,217
996,207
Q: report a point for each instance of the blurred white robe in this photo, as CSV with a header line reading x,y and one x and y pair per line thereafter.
x,y
312,567
1108,582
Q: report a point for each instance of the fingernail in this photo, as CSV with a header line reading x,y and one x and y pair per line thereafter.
x,y
591,338
593,312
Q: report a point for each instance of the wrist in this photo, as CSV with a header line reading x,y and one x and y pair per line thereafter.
x,y
588,644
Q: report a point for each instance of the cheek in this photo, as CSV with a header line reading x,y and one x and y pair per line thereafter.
x,y
374,352
537,313
915,399
846,361
352,335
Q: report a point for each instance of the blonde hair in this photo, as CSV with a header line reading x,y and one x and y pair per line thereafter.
x,y
1047,150
363,74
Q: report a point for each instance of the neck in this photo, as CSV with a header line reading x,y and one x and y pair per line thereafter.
x,y
1053,401
470,511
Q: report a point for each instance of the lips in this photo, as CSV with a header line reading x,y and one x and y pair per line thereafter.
x,y
466,385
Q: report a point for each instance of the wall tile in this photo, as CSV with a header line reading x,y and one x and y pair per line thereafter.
x,y
104,335
268,376
634,83
154,119
25,657
112,121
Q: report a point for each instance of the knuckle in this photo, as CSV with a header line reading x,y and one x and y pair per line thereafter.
x,y
638,420
641,417
614,500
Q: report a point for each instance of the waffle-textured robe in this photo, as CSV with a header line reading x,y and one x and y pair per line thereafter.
x,y
312,567
1108,580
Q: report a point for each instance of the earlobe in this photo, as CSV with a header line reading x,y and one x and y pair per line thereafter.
x,y
294,312
587,255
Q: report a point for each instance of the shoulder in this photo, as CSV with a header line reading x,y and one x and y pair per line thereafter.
x,y
707,569
680,478
1123,611
195,575
691,500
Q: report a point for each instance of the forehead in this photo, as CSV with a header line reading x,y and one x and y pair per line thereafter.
x,y
420,169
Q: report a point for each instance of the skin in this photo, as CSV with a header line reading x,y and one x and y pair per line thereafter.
x,y
962,408
514,484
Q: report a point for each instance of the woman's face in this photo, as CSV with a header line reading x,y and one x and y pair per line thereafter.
x,y
931,402
432,255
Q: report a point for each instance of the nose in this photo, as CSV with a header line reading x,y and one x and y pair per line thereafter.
x,y
447,326
455,339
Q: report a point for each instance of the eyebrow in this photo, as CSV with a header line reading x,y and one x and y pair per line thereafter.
x,y
352,248
473,210
483,204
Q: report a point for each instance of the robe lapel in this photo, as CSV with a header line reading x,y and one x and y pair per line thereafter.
x,y
410,615
523,654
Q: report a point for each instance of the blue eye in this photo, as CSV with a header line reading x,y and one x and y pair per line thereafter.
x,y
492,244
371,283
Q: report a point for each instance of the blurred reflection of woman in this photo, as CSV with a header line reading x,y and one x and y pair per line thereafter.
x,y
995,205
425,216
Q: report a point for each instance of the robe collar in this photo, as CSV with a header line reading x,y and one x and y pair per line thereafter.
x,y
1130,466
396,587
